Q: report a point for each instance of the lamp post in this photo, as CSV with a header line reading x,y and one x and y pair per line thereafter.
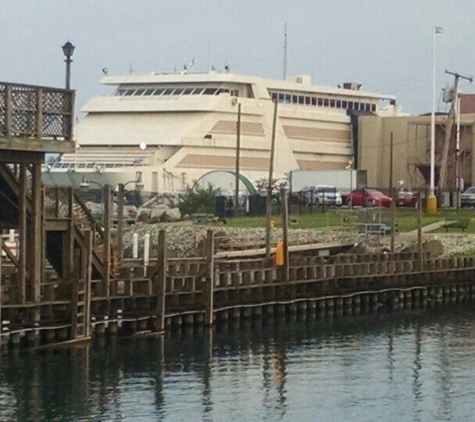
x,y
432,200
68,50
350,168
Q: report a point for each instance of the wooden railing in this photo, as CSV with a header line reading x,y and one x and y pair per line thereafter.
x,y
35,112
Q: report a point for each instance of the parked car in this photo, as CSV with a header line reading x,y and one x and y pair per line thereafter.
x,y
467,198
321,194
369,198
406,198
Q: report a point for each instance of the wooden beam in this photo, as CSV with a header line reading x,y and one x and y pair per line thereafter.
x,y
107,215
21,157
22,210
36,145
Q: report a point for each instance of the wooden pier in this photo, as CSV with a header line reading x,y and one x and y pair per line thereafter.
x,y
63,278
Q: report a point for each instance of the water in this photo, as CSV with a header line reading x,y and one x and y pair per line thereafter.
x,y
411,367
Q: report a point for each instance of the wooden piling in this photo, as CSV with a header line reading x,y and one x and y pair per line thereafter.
x,y
160,278
209,286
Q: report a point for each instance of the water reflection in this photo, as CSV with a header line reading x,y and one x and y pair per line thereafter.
x,y
393,367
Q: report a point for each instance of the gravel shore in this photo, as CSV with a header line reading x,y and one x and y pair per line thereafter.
x,y
185,240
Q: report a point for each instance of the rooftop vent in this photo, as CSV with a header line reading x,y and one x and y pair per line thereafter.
x,y
354,86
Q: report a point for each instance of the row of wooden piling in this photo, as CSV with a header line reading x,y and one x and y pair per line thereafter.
x,y
354,305
204,291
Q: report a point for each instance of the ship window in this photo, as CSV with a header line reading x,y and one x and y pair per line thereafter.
x,y
129,92
197,91
139,91
320,101
338,104
288,98
168,91
236,93
332,103
344,104
314,101
307,100
350,105
326,102
187,91
209,91
373,107
120,92
149,92
159,91
178,91
90,165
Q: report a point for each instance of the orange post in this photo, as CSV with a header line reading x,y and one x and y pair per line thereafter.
x,y
279,253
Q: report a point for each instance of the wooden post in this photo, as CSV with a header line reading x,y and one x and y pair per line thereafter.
x,y
120,222
36,234
39,113
88,295
8,111
107,239
209,312
75,282
285,229
161,280
419,231
238,153
1,286
22,236
269,185
393,194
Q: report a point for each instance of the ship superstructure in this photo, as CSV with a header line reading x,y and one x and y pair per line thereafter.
x,y
172,129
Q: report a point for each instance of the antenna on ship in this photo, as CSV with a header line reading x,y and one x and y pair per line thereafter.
x,y
285,51
188,66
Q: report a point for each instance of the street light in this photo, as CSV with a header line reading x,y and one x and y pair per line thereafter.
x,y
350,168
68,50
432,200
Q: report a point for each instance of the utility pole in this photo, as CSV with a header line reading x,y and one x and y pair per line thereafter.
x,y
270,185
448,129
238,152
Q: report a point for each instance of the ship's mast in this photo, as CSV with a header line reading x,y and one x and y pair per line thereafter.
x,y
285,51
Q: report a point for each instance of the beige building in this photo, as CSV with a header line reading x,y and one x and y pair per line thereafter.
x,y
411,150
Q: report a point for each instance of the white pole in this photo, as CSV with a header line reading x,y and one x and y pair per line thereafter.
x,y
135,246
437,30
146,249
11,235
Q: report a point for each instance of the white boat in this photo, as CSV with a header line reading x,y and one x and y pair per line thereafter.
x,y
171,129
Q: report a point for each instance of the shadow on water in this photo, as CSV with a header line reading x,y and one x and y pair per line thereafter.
x,y
264,370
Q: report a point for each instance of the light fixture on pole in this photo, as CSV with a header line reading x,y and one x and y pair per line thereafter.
x,y
350,168
68,50
432,200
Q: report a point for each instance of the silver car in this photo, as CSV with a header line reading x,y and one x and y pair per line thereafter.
x,y
467,198
321,194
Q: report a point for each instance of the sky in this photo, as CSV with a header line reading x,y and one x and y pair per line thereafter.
x,y
387,46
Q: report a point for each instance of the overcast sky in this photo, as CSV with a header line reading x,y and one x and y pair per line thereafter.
x,y
384,44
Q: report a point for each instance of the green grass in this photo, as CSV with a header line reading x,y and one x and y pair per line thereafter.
x,y
406,219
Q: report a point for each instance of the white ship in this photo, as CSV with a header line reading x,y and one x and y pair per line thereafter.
x,y
170,130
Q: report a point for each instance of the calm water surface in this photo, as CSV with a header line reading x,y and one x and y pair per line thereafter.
x,y
407,367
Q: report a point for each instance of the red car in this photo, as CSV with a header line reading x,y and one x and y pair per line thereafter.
x,y
369,198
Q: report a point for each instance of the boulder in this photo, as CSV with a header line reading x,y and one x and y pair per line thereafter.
x,y
172,215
